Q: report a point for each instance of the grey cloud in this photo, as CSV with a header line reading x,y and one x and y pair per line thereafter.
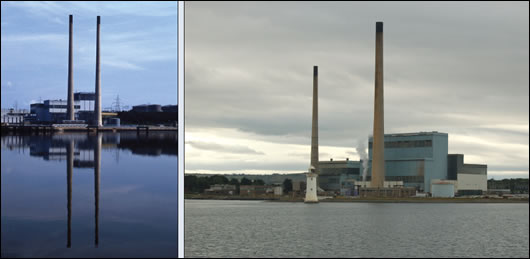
x,y
238,149
246,165
449,67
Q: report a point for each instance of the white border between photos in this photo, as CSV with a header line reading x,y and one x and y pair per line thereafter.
x,y
180,86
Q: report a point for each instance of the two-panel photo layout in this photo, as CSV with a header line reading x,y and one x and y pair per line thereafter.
x,y
176,129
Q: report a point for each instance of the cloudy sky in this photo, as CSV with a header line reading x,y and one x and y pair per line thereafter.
x,y
458,68
138,51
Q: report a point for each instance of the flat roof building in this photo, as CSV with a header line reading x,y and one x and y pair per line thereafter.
x,y
414,158
334,173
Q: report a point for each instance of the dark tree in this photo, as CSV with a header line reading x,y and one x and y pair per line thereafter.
x,y
246,181
218,179
235,182
258,182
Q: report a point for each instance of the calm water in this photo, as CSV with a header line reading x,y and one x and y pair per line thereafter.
x,y
271,229
89,195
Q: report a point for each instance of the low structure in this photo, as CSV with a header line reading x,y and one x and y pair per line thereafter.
x,y
14,116
498,192
334,173
147,108
252,190
443,188
278,190
472,178
223,189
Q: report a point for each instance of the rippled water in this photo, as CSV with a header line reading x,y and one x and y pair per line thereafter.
x,y
88,195
273,229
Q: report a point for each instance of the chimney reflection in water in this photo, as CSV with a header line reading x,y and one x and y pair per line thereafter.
x,y
69,171
69,174
97,167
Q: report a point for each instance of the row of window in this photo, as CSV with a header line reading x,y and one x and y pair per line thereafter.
x,y
406,144
339,171
59,106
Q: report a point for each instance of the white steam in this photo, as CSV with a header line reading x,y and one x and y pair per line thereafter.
x,y
363,155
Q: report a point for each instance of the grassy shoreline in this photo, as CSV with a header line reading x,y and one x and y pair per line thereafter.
x,y
364,200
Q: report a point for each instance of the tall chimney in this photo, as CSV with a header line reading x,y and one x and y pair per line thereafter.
x,y
97,106
314,128
70,98
378,150
312,176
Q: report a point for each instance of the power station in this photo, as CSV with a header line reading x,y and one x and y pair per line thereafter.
x,y
398,165
70,103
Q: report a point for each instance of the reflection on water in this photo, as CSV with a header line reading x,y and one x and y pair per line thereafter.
x,y
139,171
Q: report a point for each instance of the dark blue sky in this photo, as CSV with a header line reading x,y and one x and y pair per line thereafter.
x,y
138,51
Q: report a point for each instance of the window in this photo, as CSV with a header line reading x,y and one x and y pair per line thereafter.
x,y
407,144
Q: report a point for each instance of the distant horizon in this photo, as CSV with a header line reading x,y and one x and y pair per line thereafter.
x,y
288,173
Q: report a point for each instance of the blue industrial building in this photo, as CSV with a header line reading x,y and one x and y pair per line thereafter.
x,y
54,111
414,158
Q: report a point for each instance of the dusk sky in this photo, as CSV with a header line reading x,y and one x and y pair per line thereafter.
x,y
138,51
455,67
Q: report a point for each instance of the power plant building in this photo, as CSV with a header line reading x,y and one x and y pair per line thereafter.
x,y
419,158
54,111
333,174
472,179
147,108
86,101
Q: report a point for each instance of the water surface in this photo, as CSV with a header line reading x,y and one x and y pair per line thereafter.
x,y
89,195
277,229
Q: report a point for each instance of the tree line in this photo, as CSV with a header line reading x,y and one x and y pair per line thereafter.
x,y
197,184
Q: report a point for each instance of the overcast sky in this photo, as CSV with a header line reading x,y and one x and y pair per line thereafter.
x,y
138,51
458,68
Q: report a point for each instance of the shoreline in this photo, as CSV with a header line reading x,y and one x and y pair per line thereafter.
x,y
362,200
24,129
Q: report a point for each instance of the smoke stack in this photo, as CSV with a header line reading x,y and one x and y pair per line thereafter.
x,y
312,176
378,151
70,98
97,108
314,128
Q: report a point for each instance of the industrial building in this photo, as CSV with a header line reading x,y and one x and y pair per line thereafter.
x,y
414,158
333,174
472,179
155,108
462,179
147,108
54,111
14,116
419,158
86,102
170,108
